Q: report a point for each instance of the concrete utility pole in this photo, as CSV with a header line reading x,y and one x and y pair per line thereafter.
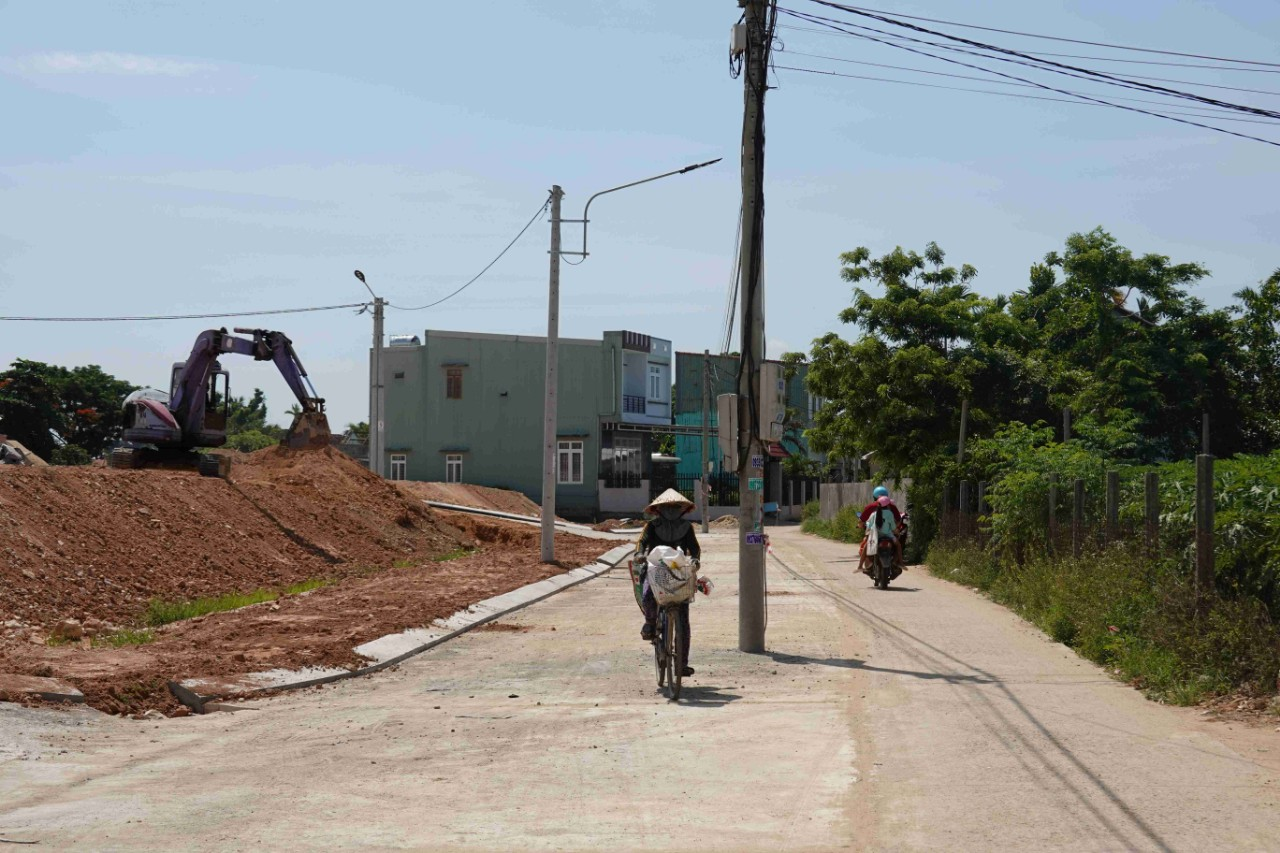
x,y
706,421
751,551
377,398
549,412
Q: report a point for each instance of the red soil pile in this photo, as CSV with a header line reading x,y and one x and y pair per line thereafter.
x,y
319,628
480,497
340,507
98,542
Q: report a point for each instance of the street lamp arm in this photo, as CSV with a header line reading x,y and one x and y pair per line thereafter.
x,y
587,208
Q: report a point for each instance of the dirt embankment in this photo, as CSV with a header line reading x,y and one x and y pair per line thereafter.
x,y
480,497
96,543
100,543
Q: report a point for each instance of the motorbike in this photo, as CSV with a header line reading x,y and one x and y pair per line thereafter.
x,y
880,557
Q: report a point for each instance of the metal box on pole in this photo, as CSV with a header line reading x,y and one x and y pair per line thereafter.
x,y
727,429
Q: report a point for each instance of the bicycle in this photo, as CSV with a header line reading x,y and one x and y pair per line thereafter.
x,y
668,649
668,645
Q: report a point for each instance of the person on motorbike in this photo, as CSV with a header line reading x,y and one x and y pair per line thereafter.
x,y
893,531
670,528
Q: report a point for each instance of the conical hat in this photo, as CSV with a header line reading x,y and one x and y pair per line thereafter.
x,y
669,498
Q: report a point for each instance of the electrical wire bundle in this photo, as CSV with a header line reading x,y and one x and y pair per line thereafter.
x,y
1003,66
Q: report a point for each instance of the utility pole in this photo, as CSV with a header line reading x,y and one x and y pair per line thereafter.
x,y
751,551
549,411
379,393
549,437
377,400
964,429
706,420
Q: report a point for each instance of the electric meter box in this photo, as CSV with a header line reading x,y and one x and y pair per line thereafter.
x,y
727,429
773,401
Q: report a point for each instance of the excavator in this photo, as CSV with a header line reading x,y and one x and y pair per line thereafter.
x,y
166,430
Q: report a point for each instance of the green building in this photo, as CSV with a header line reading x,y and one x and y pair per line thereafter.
x,y
467,407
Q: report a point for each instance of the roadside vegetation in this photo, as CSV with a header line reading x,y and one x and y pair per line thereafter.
x,y
160,612
1118,338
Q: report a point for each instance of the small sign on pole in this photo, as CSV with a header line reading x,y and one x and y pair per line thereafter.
x,y
755,484
757,461
755,538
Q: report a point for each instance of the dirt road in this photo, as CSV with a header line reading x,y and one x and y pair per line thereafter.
x,y
922,718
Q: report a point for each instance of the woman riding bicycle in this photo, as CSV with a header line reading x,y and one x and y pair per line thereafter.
x,y
672,529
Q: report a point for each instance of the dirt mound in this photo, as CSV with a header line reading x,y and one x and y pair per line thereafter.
x,y
726,521
622,524
98,542
480,497
343,511
318,628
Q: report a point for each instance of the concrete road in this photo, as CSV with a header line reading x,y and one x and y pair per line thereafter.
x,y
921,718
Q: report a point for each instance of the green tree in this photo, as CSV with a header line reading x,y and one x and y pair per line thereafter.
x,y
927,343
247,427
30,404
1257,333
359,431
92,403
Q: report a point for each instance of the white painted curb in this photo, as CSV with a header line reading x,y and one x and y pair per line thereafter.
x,y
394,648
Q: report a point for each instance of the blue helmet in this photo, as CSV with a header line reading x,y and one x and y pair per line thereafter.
x,y
879,492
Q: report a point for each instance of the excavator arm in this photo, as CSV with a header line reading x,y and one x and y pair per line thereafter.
x,y
185,411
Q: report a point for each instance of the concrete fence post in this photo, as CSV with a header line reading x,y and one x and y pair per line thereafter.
x,y
1113,506
1053,510
964,509
1151,488
1077,518
1204,523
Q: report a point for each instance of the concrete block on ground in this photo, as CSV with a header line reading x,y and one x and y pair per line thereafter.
x,y
48,689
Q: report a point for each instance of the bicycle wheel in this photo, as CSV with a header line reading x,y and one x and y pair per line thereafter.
x,y
659,648
675,643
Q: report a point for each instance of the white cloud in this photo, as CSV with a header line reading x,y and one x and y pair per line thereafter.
x,y
106,62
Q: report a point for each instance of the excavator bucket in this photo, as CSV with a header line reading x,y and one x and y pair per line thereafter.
x,y
309,431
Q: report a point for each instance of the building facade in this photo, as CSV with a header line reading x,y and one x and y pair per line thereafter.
x,y
722,377
468,407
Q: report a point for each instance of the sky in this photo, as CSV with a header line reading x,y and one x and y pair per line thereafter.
x,y
177,157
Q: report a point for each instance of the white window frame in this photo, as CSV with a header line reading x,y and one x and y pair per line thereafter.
x,y
453,468
657,394
399,466
570,450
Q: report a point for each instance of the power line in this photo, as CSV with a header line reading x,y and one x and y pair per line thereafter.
x,y
804,16
183,316
1039,64
1039,53
989,80
1005,94
1055,38
477,276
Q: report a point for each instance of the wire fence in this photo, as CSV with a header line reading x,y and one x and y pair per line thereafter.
x,y
1078,516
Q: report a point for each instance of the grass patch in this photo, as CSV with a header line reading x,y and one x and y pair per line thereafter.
x,y
404,563
161,612
1137,618
309,585
455,554
125,637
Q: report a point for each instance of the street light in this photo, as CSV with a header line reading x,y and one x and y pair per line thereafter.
x,y
553,332
377,403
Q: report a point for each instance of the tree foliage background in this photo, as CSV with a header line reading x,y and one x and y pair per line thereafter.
x,y
82,405
1115,335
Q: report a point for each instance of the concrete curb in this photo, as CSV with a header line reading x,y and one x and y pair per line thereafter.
x,y
567,526
391,649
